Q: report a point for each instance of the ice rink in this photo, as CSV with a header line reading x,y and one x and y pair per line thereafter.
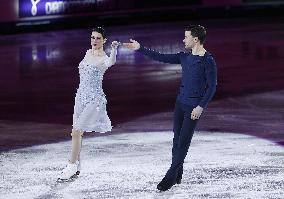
x,y
218,165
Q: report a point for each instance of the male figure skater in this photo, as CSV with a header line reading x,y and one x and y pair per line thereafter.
x,y
198,85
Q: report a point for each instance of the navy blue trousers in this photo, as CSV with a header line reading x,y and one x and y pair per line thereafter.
x,y
183,131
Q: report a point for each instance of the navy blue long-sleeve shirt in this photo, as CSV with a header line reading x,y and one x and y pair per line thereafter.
x,y
199,75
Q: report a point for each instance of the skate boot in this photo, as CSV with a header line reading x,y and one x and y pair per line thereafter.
x,y
69,171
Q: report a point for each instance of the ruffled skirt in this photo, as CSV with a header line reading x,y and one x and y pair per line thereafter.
x,y
91,116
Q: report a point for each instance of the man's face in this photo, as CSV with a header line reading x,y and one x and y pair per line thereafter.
x,y
97,40
189,41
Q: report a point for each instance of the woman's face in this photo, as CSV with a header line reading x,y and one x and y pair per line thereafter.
x,y
97,40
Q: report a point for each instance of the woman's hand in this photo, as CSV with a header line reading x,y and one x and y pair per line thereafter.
x,y
115,44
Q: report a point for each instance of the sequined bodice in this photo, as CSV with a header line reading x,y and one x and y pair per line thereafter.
x,y
91,70
91,77
90,87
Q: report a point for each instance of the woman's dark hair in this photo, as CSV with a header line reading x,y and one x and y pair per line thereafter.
x,y
197,31
100,30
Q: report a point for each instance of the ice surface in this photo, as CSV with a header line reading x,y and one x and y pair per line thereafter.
x,y
218,165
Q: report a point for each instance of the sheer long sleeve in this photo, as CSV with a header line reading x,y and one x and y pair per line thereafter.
x,y
112,58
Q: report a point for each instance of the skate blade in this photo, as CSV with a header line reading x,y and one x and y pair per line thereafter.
x,y
71,179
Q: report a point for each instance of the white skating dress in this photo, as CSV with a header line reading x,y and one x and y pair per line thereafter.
x,y
90,113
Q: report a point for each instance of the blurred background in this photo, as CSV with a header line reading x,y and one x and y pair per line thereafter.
x,y
43,41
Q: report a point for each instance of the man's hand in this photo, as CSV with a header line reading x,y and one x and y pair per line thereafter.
x,y
196,112
132,45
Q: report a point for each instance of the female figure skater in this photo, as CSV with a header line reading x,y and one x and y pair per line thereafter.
x,y
90,113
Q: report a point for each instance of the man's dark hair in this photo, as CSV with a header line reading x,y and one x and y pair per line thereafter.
x,y
197,31
100,30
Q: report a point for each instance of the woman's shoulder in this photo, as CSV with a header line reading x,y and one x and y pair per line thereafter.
x,y
88,52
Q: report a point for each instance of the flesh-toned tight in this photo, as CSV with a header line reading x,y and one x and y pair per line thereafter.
x,y
76,145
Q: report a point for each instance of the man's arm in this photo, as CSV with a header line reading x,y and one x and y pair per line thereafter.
x,y
211,81
166,58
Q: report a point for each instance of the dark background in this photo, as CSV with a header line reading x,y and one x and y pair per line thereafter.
x,y
123,12
39,75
